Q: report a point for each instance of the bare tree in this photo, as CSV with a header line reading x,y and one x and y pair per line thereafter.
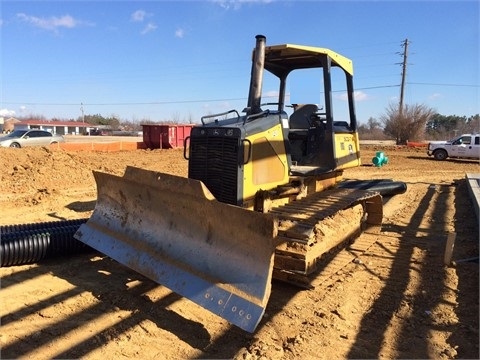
x,y
372,130
408,124
373,124
175,118
473,124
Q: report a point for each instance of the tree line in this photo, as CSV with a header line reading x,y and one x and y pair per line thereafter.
x,y
417,123
413,123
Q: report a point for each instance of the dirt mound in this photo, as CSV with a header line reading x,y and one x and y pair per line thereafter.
x,y
397,300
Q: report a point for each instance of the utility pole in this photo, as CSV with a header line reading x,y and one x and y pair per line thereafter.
x,y
83,114
404,73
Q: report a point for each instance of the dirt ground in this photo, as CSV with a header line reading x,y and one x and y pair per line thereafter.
x,y
397,300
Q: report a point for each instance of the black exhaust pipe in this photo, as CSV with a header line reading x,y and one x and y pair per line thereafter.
x,y
256,77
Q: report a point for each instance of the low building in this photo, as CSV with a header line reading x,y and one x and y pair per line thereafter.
x,y
55,127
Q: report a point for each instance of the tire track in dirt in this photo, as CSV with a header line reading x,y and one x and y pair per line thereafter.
x,y
409,258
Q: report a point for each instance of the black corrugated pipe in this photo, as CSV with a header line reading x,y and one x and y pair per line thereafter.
x,y
5,229
30,243
386,187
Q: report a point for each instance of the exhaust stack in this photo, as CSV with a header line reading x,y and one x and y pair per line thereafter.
x,y
256,78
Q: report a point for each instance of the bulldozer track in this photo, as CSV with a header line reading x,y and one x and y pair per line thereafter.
x,y
343,258
303,260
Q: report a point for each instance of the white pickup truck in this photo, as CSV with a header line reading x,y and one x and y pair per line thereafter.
x,y
464,146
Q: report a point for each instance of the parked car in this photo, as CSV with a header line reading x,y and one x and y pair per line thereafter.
x,y
34,137
464,146
93,132
98,132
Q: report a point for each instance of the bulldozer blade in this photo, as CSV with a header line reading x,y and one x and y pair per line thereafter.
x,y
172,230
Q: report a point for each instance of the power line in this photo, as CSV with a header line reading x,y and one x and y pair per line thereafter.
x,y
217,100
126,103
82,104
459,85
376,87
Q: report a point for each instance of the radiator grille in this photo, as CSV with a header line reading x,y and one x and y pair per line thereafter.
x,y
214,161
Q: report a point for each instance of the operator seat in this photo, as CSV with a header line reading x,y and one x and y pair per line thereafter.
x,y
301,128
300,119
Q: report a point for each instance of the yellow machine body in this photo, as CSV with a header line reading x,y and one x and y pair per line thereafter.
x,y
259,202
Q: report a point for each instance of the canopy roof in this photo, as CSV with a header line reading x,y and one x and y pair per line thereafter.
x,y
281,59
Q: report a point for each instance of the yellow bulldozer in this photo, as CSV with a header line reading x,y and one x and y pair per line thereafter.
x,y
261,200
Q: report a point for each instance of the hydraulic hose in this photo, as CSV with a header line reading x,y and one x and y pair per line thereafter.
x,y
30,243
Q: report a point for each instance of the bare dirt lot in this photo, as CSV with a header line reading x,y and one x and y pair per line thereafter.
x,y
397,300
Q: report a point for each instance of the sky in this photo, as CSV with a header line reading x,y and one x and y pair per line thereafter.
x,y
180,60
